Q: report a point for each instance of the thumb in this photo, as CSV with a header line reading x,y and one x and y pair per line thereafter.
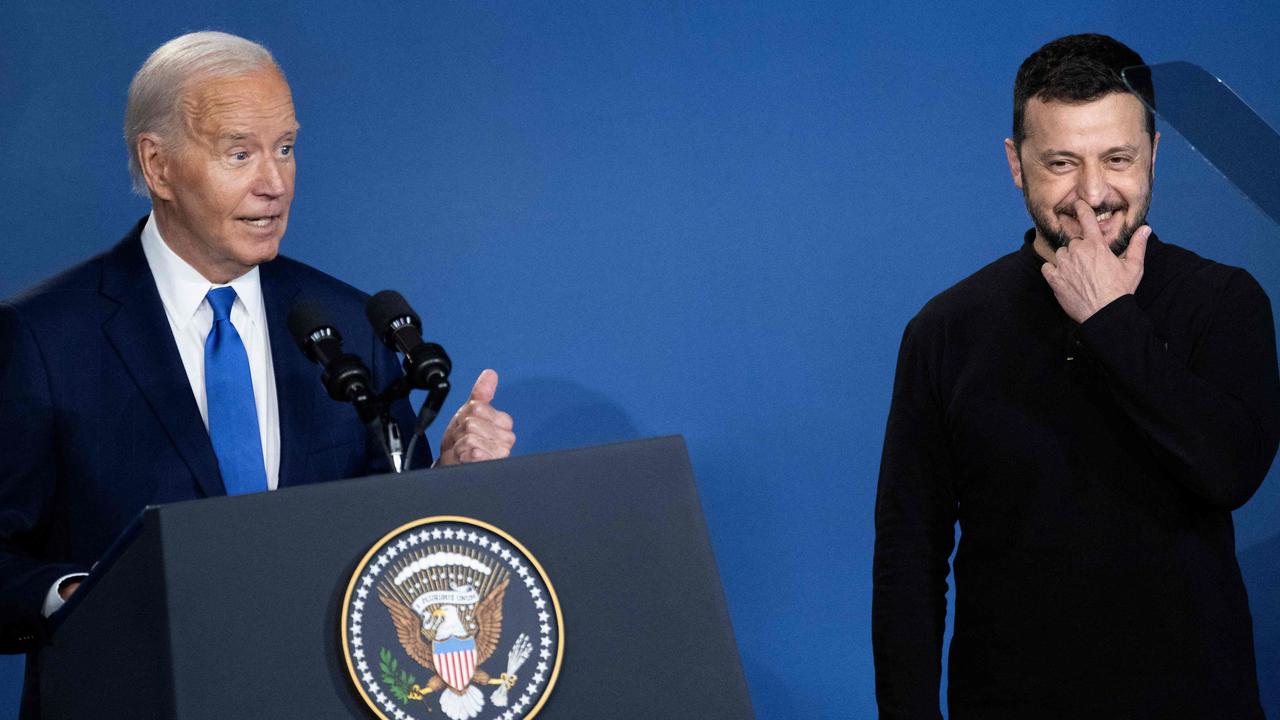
x,y
1137,250
485,387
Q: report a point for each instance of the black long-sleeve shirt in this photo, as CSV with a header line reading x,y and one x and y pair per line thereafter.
x,y
1093,469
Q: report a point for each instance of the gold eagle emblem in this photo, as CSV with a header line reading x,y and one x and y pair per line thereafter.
x,y
450,627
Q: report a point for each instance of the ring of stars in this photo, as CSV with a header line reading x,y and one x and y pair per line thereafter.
x,y
533,675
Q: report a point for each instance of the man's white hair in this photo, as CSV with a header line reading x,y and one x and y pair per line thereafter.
x,y
155,95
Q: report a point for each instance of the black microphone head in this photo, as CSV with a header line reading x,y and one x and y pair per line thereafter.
x,y
385,308
306,317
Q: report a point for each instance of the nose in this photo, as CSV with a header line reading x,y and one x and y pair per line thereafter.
x,y
271,181
1091,184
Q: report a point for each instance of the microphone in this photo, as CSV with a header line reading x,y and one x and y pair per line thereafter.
x,y
426,366
345,376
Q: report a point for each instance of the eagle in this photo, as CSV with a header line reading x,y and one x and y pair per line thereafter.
x,y
443,633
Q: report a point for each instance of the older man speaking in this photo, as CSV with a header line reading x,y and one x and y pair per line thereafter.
x,y
162,369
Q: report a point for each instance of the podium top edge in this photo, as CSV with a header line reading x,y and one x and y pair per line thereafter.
x,y
675,439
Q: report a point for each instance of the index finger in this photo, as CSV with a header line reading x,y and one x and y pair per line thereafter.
x,y
488,413
1088,221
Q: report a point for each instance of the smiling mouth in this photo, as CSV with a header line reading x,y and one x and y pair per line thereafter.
x,y
1100,216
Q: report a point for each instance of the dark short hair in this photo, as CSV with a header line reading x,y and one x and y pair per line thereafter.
x,y
1076,69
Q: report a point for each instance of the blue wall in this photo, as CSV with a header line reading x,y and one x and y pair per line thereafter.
x,y
702,219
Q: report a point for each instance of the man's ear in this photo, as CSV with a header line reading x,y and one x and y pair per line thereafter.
x,y
1015,162
156,162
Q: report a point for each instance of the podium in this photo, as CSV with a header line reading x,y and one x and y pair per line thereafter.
x,y
232,607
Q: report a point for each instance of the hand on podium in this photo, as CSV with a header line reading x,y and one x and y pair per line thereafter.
x,y
60,592
478,431
68,587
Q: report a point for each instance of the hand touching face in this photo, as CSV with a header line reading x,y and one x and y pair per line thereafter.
x,y
1086,275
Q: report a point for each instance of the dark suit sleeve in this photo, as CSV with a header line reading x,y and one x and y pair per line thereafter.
x,y
28,481
915,519
1212,419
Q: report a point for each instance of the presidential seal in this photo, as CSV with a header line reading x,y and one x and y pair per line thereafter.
x,y
451,615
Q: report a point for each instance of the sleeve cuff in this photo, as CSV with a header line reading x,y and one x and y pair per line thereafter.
x,y
53,600
1114,327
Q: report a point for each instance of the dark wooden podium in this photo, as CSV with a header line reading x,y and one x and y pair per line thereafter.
x,y
229,607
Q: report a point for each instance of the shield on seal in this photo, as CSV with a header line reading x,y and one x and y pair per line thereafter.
x,y
455,661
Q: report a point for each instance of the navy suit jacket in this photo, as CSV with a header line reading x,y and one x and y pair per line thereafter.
x,y
97,417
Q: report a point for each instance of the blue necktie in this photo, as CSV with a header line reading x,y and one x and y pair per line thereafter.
x,y
233,417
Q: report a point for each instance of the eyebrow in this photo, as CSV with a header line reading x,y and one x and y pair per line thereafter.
x,y
1109,151
238,135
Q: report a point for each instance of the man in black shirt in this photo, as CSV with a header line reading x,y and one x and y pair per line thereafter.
x,y
1090,409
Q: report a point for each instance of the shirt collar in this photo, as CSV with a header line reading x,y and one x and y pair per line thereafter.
x,y
182,288
1028,252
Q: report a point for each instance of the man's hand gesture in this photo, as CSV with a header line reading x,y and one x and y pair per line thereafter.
x,y
1086,275
478,431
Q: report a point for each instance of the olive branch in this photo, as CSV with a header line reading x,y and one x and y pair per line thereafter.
x,y
398,681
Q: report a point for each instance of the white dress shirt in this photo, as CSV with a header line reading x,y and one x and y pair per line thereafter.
x,y
182,292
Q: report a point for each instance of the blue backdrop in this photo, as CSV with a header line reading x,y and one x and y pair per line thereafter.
x,y
696,218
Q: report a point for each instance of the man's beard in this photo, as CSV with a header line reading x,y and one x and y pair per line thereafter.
x,y
1059,239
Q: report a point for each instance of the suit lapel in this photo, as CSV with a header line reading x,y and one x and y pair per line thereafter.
x,y
295,375
140,334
